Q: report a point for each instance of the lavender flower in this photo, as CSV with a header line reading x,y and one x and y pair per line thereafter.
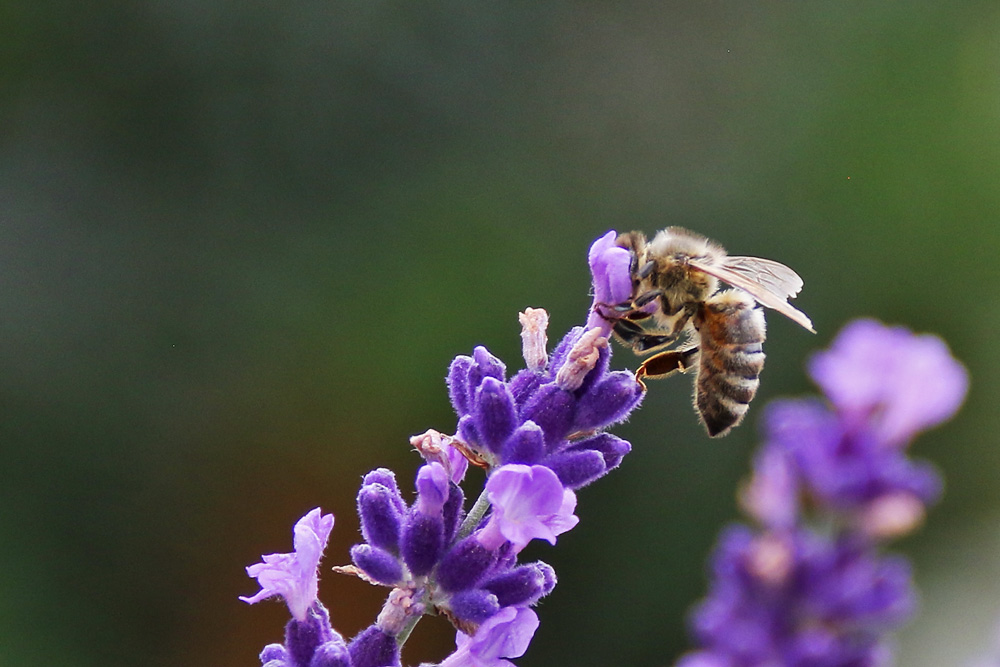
x,y
610,267
807,587
528,502
506,635
810,586
890,381
293,576
310,641
470,572
539,435
553,417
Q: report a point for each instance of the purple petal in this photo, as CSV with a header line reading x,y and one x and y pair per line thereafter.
x,y
293,576
609,267
274,653
611,447
378,564
474,606
374,648
302,638
577,468
464,565
458,384
505,635
771,497
610,270
451,513
901,382
553,410
608,402
386,478
495,414
381,519
432,488
467,431
530,502
526,445
522,586
523,385
485,365
331,654
422,542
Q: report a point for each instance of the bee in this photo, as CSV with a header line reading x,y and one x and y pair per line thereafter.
x,y
676,299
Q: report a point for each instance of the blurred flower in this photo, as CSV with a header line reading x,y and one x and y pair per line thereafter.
x,y
800,599
810,587
890,381
293,576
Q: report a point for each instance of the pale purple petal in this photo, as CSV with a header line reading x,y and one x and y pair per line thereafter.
x,y
897,382
610,271
293,576
506,634
432,488
771,497
529,502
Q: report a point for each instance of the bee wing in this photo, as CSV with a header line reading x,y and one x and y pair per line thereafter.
x,y
770,283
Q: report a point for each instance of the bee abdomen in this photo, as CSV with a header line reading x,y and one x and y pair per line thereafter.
x,y
731,360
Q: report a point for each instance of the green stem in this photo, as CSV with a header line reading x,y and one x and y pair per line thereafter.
x,y
411,623
474,516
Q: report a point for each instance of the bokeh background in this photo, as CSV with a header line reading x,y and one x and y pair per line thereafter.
x,y
241,241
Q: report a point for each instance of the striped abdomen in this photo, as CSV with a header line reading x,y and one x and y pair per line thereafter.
x,y
732,332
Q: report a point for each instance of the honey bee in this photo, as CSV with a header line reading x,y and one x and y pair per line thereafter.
x,y
676,298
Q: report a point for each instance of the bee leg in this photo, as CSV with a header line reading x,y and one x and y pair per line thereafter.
x,y
638,338
619,312
666,363
646,269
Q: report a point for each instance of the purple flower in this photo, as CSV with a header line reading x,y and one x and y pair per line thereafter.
x,y
505,635
528,502
610,270
402,541
771,497
800,599
293,576
843,468
793,595
311,643
539,435
890,380
553,417
373,647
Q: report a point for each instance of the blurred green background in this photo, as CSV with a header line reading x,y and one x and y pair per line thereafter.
x,y
240,243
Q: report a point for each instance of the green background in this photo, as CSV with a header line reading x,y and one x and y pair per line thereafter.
x,y
241,241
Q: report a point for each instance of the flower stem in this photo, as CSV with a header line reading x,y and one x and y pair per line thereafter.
x,y
474,516
411,623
